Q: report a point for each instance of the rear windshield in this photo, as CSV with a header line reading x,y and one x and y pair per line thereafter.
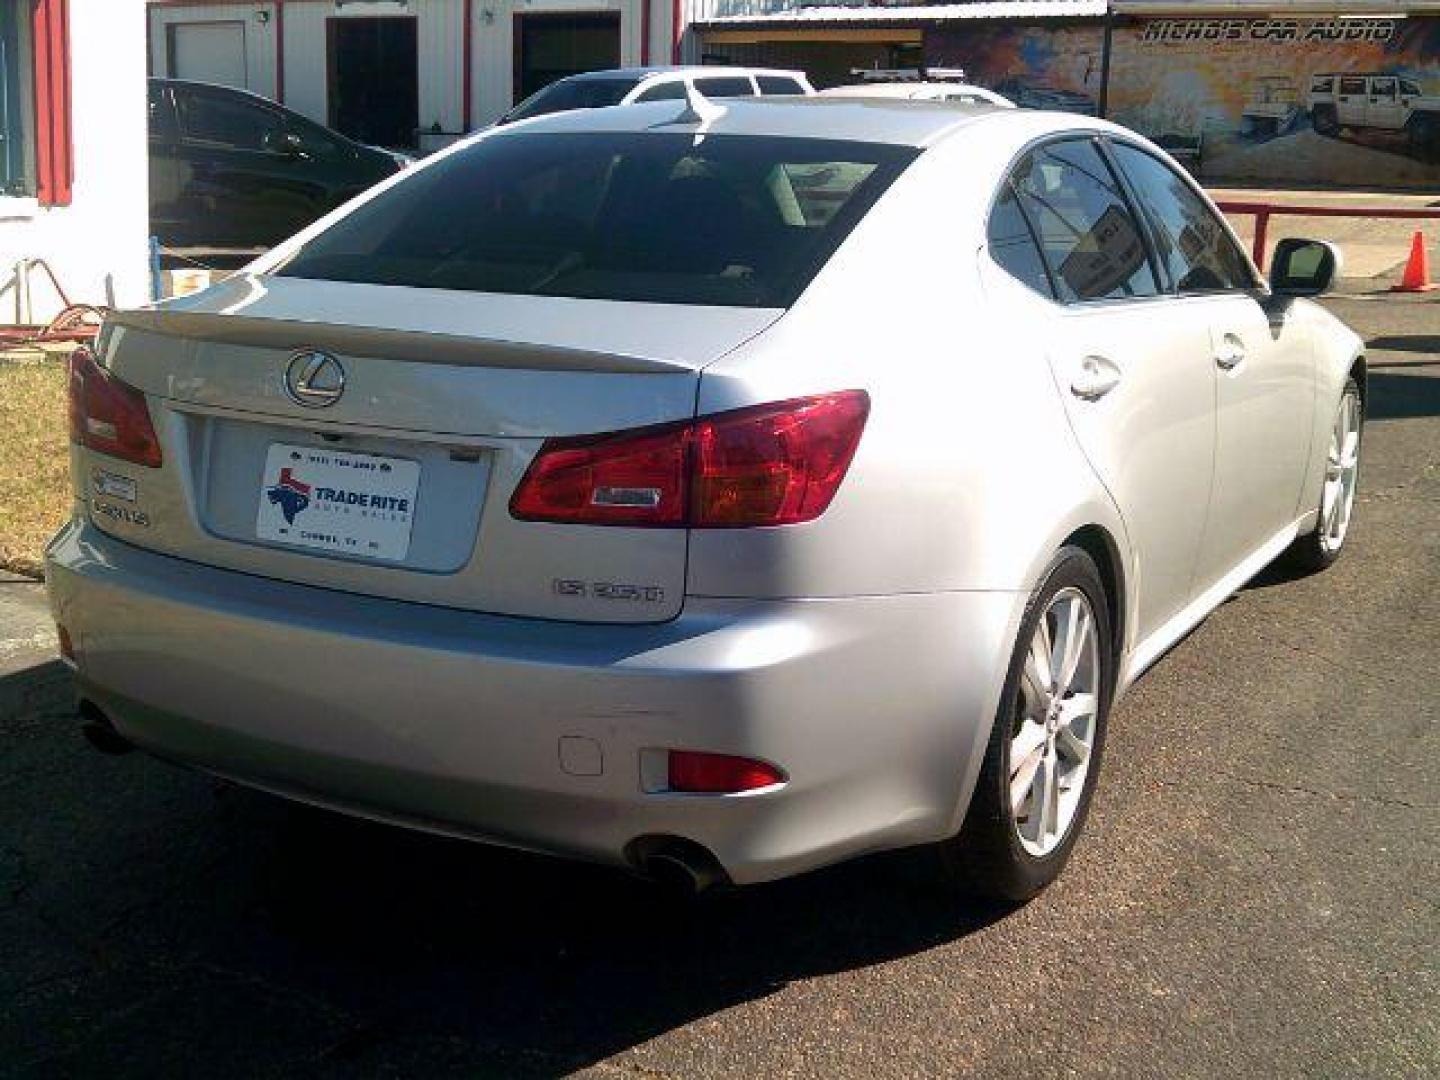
x,y
733,220
571,94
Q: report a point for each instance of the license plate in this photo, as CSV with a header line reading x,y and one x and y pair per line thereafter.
x,y
361,505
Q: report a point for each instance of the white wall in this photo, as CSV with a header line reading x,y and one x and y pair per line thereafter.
x,y
259,37
104,231
441,45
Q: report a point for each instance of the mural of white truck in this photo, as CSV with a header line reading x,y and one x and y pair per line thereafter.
x,y
1274,108
1384,103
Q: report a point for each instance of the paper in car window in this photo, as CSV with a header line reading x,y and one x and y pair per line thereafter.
x,y
1106,257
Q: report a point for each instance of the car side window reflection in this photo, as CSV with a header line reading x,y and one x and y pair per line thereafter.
x,y
1092,243
1013,244
214,120
1192,242
665,91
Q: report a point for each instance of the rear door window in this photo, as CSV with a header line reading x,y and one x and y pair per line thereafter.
x,y
775,85
223,121
570,94
1013,244
1353,85
665,91
1194,245
731,220
1093,245
723,86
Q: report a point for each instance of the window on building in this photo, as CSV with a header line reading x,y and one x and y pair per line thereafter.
x,y
17,103
35,150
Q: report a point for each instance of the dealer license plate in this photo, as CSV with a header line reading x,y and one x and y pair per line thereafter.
x,y
361,505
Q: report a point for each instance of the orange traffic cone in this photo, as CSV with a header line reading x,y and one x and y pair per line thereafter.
x,y
1417,270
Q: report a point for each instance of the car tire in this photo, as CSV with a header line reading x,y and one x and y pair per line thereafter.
x,y
1004,851
1318,549
1326,123
1424,133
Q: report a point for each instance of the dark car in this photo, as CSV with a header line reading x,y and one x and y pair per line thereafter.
x,y
231,168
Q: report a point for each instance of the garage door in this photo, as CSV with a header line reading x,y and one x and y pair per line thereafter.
x,y
212,52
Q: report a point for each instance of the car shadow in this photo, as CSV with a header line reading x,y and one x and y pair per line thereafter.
x,y
1393,396
1411,343
571,963
358,947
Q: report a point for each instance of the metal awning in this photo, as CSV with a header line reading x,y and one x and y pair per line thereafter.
x,y
1200,9
913,14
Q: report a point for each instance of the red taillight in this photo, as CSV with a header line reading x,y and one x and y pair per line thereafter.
x,y
109,416
719,774
777,464
630,478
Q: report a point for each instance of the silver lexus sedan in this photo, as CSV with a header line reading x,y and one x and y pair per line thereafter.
x,y
716,491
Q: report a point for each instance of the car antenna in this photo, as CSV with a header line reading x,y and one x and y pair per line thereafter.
x,y
698,108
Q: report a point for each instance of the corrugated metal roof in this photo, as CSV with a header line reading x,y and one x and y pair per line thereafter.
x,y
1201,9
919,13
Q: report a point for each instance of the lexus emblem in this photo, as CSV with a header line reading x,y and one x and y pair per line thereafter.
x,y
314,379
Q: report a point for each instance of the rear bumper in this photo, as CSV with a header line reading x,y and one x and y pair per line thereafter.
x,y
534,734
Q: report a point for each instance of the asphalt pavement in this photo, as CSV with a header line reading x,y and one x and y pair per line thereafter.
x,y
1258,893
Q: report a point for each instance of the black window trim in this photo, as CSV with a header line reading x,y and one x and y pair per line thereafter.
x,y
1257,288
1141,220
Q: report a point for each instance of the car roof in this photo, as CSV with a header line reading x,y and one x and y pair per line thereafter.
x,y
198,85
654,70
900,89
898,121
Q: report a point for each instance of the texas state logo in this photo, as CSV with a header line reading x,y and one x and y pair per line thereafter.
x,y
289,494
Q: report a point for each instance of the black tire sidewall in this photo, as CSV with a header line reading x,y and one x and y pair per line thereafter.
x,y
988,854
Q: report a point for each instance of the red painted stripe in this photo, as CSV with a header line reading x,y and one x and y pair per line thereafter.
x,y
675,31
644,32
54,153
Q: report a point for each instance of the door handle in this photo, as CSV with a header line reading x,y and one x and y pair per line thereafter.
x,y
1096,378
1231,353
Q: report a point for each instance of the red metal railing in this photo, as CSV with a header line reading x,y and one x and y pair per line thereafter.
x,y
1263,212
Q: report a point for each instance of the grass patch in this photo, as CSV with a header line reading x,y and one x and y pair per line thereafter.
x,y
34,461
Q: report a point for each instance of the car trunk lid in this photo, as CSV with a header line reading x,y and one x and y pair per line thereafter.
x,y
400,485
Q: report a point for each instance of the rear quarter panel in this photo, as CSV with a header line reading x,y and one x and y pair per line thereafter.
x,y
967,476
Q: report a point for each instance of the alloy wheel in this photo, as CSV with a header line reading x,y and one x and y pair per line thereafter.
x,y
1342,470
1053,732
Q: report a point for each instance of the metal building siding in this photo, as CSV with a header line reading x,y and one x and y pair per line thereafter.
x,y
259,38
494,71
306,70
441,43
438,41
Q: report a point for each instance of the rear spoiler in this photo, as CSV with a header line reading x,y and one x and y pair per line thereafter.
x,y
413,345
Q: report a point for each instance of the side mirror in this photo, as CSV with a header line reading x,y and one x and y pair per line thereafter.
x,y
284,143
1305,267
